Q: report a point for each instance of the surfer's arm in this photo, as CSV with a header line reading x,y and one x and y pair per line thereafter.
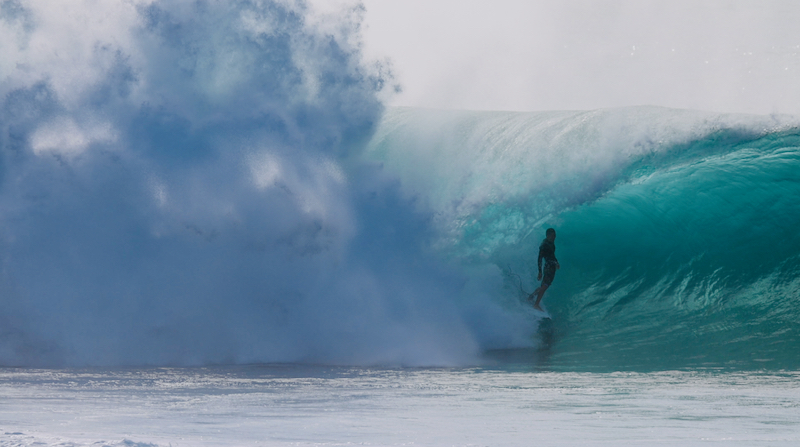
x,y
539,262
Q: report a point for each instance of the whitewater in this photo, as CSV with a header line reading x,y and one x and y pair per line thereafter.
x,y
338,406
214,232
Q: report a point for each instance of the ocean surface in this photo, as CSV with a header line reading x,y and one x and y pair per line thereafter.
x,y
293,405
214,232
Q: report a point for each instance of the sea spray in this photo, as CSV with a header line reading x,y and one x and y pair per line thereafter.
x,y
180,185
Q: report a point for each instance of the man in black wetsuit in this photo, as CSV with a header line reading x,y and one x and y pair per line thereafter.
x,y
547,251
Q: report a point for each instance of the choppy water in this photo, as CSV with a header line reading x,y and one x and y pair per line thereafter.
x,y
323,406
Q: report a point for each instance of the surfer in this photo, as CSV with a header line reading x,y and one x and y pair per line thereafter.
x,y
547,251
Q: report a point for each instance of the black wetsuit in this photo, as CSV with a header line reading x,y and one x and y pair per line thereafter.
x,y
547,251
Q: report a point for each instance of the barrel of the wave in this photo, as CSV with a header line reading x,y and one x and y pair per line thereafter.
x,y
677,227
695,261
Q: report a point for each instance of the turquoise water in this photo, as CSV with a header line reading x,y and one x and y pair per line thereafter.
x,y
698,260
676,231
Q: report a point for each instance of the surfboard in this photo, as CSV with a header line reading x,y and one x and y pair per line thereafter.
x,y
542,313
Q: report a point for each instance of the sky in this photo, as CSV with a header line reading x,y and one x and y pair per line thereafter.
x,y
523,55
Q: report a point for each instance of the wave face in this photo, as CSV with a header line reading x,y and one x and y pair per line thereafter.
x,y
676,229
188,183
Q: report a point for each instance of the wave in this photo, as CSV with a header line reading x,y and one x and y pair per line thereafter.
x,y
188,183
676,229
696,262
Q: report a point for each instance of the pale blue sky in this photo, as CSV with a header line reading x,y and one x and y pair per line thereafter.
x,y
730,56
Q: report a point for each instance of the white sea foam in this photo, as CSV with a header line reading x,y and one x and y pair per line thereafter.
x,y
290,405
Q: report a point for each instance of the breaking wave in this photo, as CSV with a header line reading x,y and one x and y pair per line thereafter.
x,y
191,182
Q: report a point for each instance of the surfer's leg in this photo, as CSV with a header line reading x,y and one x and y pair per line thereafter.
x,y
537,294
540,291
549,274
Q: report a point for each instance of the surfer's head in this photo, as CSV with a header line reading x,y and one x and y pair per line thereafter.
x,y
550,234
